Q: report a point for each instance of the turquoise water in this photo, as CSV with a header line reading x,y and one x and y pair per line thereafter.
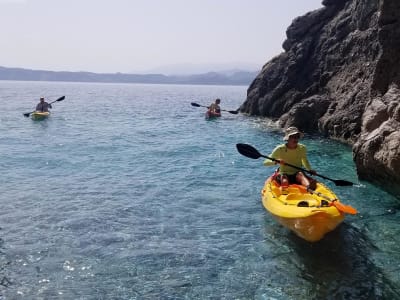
x,y
127,192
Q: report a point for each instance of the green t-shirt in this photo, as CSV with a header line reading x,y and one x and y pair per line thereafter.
x,y
296,157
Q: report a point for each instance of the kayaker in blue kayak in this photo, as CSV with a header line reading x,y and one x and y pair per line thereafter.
x,y
294,153
43,105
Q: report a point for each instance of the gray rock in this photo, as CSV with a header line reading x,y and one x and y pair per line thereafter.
x,y
340,76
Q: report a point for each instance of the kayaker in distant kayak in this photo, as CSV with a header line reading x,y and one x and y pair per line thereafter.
x,y
214,108
43,106
294,153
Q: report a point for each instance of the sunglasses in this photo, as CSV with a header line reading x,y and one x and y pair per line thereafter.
x,y
295,136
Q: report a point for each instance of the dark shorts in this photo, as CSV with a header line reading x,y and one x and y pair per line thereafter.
x,y
291,178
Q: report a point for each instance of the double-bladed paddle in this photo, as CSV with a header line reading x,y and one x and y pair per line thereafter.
x,y
251,152
234,112
59,99
333,202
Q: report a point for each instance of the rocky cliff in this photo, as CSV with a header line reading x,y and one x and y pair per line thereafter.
x,y
340,75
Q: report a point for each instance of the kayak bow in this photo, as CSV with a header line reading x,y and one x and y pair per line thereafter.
x,y
38,115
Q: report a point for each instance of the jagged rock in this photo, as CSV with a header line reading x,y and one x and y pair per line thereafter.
x,y
377,151
340,76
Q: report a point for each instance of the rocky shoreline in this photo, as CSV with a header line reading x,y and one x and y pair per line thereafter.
x,y
340,76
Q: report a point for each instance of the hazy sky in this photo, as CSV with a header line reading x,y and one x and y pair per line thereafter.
x,y
137,35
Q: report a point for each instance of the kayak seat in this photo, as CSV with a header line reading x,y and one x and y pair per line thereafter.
x,y
292,196
292,190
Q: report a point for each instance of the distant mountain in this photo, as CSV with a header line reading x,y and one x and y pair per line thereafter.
x,y
189,69
234,77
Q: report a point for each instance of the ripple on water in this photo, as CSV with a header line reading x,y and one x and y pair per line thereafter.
x,y
140,198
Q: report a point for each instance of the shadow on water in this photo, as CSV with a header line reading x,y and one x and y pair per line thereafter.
x,y
340,266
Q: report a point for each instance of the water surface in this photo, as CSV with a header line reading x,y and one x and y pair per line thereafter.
x,y
127,192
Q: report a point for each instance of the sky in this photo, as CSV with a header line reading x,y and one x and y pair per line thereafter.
x,y
133,36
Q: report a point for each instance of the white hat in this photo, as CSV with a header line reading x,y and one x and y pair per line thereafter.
x,y
291,131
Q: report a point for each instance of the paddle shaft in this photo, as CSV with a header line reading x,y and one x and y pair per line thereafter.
x,y
234,112
337,182
251,152
293,166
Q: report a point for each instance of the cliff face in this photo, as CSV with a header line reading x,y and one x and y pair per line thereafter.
x,y
340,76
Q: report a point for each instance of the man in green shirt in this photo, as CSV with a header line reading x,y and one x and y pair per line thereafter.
x,y
294,153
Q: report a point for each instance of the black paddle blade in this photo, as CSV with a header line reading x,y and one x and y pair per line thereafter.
x,y
59,99
234,112
27,114
340,182
248,151
195,104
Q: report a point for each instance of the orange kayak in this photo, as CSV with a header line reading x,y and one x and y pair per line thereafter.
x,y
212,115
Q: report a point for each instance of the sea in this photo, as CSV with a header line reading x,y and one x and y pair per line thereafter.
x,y
128,192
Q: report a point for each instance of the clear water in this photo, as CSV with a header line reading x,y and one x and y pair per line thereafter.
x,y
127,192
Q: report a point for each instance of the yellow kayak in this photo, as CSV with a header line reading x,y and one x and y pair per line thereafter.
x,y
310,214
39,115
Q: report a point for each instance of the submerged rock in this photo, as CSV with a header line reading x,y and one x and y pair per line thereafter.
x,y
340,76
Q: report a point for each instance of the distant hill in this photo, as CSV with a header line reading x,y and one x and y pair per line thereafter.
x,y
190,69
236,77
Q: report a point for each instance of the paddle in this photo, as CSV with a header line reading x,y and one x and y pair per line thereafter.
x,y
59,99
252,152
340,206
234,112
333,202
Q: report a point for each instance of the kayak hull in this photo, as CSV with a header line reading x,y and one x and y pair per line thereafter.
x,y
212,115
309,216
38,115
